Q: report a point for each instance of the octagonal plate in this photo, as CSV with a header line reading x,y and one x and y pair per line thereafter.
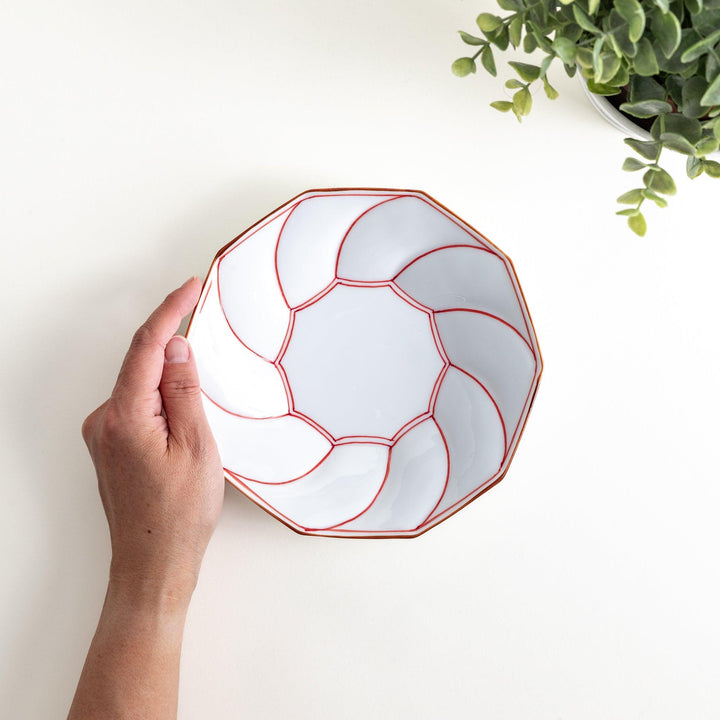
x,y
367,362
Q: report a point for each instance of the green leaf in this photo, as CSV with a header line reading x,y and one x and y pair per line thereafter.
x,y
529,73
510,5
488,22
666,28
582,19
659,201
550,91
529,43
632,164
632,12
694,6
488,60
712,94
646,108
674,85
664,5
711,168
700,48
565,49
637,224
620,78
628,212
660,181
707,146
502,105
584,58
645,61
692,93
643,88
631,197
500,38
678,143
689,128
598,58
694,167
522,102
514,84
712,67
610,66
598,89
647,149
471,39
463,66
515,30
545,65
593,6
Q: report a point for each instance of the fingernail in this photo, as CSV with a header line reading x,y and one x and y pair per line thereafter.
x,y
177,350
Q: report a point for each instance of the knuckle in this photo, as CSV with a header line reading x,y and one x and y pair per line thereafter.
x,y
181,386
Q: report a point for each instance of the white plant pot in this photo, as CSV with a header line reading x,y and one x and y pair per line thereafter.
x,y
615,117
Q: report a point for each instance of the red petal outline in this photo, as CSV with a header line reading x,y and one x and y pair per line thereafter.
x,y
314,425
354,222
284,482
377,494
492,400
222,309
447,476
445,247
494,317
240,415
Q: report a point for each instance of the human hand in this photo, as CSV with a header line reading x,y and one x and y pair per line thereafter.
x,y
159,472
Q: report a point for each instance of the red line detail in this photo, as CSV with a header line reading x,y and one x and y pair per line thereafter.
x,y
363,440
277,247
286,341
286,385
292,480
240,415
377,494
408,426
492,399
318,296
447,476
222,309
436,388
314,425
355,221
209,287
238,481
445,247
494,317
252,230
407,298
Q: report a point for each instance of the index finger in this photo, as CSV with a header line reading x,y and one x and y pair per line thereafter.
x,y
142,368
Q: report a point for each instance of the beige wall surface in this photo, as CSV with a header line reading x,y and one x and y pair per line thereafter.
x,y
136,139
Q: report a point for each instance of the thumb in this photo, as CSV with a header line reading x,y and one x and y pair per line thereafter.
x,y
180,391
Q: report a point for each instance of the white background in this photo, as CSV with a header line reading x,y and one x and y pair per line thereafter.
x,y
136,139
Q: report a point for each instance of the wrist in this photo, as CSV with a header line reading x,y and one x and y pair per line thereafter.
x,y
153,593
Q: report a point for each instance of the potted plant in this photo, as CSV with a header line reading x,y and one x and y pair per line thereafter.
x,y
657,61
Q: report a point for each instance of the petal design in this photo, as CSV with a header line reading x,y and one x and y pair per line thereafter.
x,y
342,486
309,242
493,353
250,292
384,240
471,426
231,375
463,277
414,485
272,450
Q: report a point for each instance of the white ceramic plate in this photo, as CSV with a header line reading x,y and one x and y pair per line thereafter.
x,y
367,362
